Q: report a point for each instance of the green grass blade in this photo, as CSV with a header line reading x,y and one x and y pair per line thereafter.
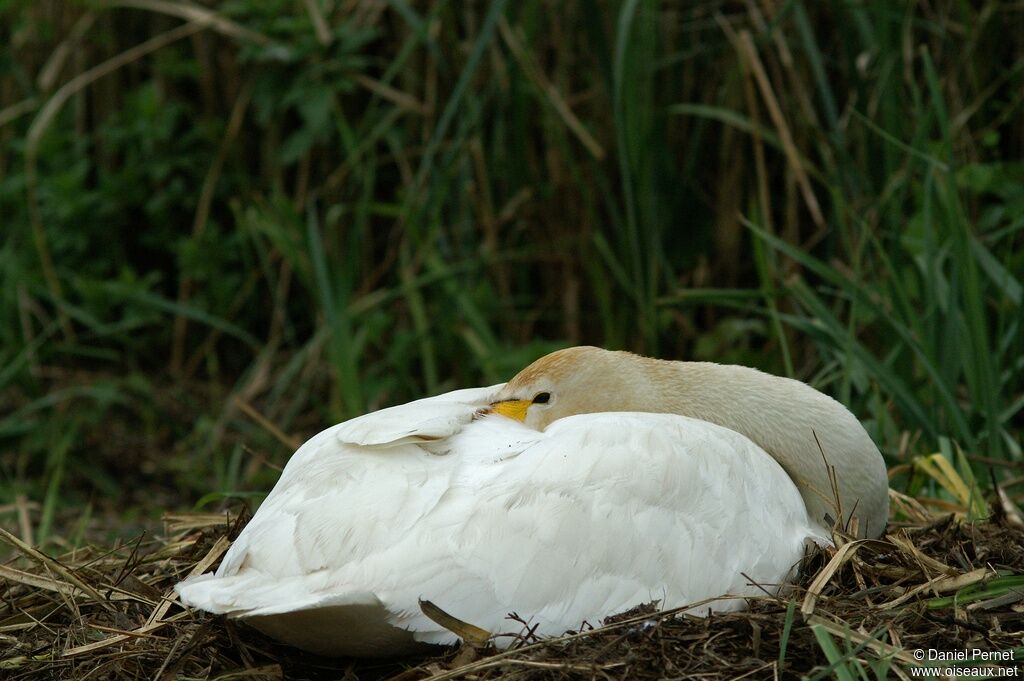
x,y
787,629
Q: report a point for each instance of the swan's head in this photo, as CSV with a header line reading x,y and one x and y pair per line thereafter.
x,y
580,380
814,438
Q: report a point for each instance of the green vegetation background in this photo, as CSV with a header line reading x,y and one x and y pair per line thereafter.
x,y
226,225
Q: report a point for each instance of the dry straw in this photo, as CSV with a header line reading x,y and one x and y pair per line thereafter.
x,y
931,582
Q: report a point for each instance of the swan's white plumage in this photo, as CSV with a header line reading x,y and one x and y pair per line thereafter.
x,y
432,418
483,516
596,514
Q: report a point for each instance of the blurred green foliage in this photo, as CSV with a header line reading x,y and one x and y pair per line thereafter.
x,y
229,224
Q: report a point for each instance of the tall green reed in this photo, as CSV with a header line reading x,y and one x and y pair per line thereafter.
x,y
305,224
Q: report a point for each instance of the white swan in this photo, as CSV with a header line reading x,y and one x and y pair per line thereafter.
x,y
617,480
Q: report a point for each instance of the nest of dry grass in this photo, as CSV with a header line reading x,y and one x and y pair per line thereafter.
x,y
933,582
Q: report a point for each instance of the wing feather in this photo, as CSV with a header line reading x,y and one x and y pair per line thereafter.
x,y
426,420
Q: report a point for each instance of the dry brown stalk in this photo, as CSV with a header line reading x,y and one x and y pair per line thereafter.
x,y
51,624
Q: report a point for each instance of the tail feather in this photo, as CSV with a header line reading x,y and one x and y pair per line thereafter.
x,y
250,593
354,623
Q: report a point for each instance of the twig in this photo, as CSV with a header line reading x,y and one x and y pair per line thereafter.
x,y
196,14
323,33
549,90
746,44
250,411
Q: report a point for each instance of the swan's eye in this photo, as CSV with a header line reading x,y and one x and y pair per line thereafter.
x,y
542,398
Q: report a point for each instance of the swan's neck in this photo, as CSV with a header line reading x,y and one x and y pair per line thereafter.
x,y
799,426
